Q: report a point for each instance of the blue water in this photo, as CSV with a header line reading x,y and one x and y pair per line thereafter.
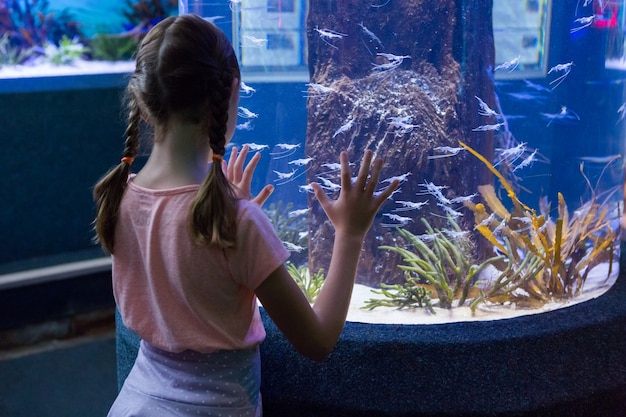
x,y
553,116
95,16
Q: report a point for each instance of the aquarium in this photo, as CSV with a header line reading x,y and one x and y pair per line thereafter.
x,y
503,120
65,44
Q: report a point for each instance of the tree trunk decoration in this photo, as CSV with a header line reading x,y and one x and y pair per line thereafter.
x,y
400,78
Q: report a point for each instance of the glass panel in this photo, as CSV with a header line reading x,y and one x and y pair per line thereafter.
x,y
504,124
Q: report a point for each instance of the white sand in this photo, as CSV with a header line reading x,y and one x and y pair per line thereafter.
x,y
596,285
78,67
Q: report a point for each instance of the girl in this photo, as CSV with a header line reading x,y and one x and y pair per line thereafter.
x,y
191,252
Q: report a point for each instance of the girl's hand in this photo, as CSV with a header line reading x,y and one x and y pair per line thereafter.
x,y
241,177
353,212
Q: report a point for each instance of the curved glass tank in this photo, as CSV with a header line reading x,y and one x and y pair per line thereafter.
x,y
504,122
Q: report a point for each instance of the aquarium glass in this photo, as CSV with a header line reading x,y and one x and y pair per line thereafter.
x,y
503,120
46,44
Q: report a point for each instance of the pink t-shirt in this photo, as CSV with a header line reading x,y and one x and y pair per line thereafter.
x,y
178,295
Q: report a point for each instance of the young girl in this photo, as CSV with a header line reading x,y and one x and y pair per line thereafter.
x,y
191,252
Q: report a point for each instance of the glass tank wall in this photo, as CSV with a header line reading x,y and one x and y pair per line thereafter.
x,y
504,121
40,39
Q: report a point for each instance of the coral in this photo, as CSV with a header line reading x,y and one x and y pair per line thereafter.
x,y
309,284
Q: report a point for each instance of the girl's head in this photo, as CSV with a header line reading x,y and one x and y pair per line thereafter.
x,y
186,71
187,68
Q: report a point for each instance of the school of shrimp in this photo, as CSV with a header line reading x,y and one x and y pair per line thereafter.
x,y
511,153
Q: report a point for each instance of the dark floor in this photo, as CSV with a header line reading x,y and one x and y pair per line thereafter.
x,y
74,378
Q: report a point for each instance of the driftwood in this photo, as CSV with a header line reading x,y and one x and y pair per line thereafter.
x,y
400,78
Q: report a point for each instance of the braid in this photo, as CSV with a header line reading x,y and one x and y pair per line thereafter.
x,y
214,210
109,190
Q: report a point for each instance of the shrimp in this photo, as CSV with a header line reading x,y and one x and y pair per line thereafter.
x,y
565,68
447,151
484,128
347,126
326,35
305,188
287,150
256,146
284,175
564,116
622,112
410,205
328,184
298,213
246,114
245,126
401,125
300,162
394,61
584,21
485,110
527,161
293,247
401,221
509,65
252,42
316,90
400,178
435,191
246,89
464,198
371,35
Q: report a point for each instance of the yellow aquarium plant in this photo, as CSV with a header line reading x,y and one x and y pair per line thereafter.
x,y
568,247
536,259
441,265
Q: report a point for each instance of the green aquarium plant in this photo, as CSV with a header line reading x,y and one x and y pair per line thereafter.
x,y
113,47
411,294
68,51
441,261
310,284
12,55
538,259
289,225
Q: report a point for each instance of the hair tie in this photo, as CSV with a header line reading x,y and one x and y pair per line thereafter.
x,y
128,160
217,157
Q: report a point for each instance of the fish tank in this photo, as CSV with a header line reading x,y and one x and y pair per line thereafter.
x,y
503,120
65,44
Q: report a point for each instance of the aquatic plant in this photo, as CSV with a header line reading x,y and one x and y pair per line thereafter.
x,y
66,52
289,225
442,261
113,47
29,24
411,294
568,247
310,284
143,14
11,55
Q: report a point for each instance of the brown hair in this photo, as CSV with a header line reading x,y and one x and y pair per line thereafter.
x,y
185,66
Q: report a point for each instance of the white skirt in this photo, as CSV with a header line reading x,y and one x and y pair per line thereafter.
x,y
224,383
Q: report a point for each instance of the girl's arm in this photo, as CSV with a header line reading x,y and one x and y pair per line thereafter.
x,y
314,330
